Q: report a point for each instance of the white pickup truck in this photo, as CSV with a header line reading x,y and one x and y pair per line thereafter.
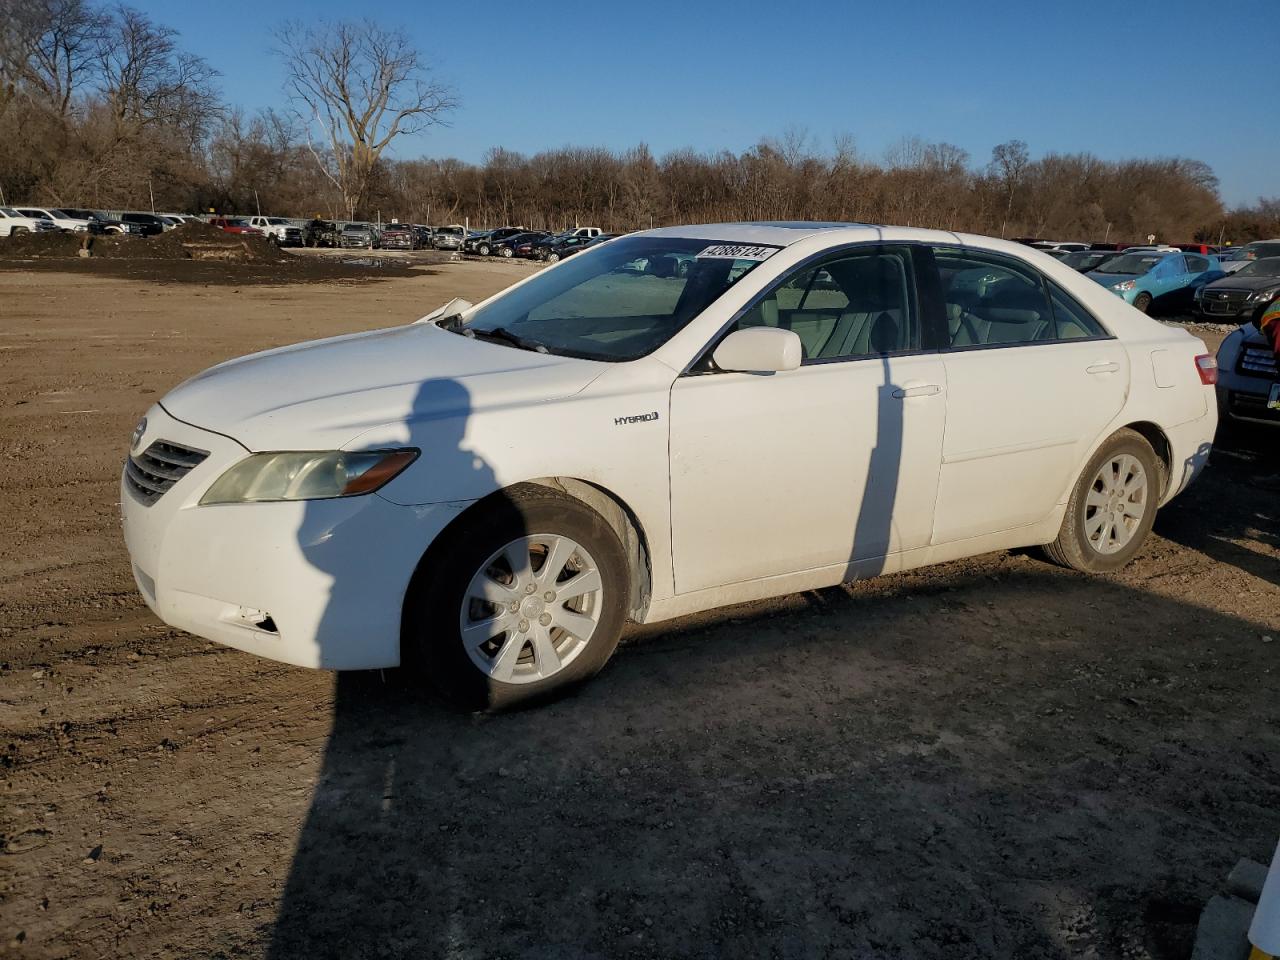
x,y
60,219
282,232
12,222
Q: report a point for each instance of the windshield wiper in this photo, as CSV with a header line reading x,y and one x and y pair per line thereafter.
x,y
503,335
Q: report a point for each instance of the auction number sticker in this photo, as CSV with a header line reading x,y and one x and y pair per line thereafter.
x,y
736,251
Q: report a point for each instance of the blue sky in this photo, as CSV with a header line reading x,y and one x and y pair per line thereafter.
x,y
1119,80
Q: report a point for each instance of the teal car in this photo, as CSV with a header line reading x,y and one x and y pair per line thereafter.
x,y
1168,277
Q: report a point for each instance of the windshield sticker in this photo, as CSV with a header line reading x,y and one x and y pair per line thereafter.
x,y
735,251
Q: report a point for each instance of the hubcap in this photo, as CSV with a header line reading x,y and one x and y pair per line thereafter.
x,y
531,608
1116,504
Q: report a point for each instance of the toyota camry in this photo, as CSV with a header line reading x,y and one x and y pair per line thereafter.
x,y
670,421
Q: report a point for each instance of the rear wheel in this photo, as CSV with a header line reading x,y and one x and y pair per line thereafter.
x,y
1112,508
1143,302
505,252
483,249
17,230
523,602
553,257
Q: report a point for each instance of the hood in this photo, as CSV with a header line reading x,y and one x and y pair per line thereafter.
x,y
1236,282
323,394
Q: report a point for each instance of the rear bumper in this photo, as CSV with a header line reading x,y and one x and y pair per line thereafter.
x,y
1189,447
316,584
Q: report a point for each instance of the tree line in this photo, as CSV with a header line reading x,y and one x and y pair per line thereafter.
x,y
101,107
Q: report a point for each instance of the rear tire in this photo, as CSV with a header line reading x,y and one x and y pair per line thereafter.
x,y
467,583
505,252
483,249
553,257
1142,302
1112,507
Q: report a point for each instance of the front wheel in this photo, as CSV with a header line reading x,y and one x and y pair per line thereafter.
x,y
523,601
505,252
1112,508
553,257
483,249
1143,302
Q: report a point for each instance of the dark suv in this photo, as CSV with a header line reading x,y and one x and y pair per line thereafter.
x,y
147,224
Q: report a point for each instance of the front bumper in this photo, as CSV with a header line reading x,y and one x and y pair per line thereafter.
x,y
317,584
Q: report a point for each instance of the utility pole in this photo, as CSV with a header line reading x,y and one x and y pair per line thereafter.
x,y
153,198
256,204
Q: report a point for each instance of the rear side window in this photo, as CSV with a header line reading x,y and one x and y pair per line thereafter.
x,y
1070,320
852,306
991,300
1196,263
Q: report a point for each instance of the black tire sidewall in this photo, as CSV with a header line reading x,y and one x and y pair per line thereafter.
x,y
1088,558
431,643
1142,302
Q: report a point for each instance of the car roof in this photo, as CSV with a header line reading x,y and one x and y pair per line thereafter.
x,y
779,233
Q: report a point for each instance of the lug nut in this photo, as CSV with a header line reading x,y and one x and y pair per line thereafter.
x,y
530,588
548,596
545,619
524,625
513,606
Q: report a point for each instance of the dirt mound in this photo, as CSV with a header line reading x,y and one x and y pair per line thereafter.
x,y
191,241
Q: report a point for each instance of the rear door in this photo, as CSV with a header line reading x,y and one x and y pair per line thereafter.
x,y
1032,379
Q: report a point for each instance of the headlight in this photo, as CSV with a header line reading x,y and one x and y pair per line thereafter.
x,y
1263,294
1125,286
79,227
310,475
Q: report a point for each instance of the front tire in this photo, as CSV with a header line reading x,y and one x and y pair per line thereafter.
x,y
1143,302
1112,507
521,602
505,253
553,257
483,249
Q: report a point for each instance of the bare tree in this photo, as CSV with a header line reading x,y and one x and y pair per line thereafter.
x,y
1009,161
364,85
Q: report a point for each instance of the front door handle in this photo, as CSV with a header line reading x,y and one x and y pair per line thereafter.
x,y
917,390
1109,366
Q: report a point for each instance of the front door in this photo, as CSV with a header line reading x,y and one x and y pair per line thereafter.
x,y
815,467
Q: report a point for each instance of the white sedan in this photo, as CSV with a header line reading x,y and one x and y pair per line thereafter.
x,y
671,421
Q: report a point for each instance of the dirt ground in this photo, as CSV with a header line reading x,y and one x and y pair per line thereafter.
x,y
992,758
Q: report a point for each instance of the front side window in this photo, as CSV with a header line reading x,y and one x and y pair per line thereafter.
x,y
618,301
1196,263
855,305
990,300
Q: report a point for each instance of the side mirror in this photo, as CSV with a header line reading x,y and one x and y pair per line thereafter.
x,y
759,350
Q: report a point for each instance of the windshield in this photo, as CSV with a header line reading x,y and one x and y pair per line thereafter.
x,y
237,222
1269,267
9,212
619,301
1132,263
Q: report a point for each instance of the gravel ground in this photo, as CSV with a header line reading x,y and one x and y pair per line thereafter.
x,y
989,758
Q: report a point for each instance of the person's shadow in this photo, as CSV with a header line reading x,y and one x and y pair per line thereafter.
x,y
341,879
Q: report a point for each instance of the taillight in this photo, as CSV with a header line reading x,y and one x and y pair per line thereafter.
x,y
1207,367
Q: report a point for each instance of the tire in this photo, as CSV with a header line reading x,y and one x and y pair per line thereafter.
x,y
18,230
499,668
1142,302
1101,547
483,249
505,252
552,257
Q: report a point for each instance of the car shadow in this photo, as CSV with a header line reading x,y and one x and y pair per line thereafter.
x,y
1240,507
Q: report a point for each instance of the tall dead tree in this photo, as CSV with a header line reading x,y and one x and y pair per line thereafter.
x,y
362,85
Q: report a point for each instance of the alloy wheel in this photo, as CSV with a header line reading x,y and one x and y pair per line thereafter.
x,y
531,608
1116,503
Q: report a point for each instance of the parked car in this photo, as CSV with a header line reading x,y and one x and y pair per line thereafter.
x,y
239,225
451,237
490,241
1243,295
320,233
13,223
555,249
1248,378
1237,257
1086,260
597,444
109,224
282,232
508,246
399,236
425,236
145,224
60,219
1150,277
358,235
1051,245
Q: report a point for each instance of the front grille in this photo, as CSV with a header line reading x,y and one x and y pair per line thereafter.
x,y
1257,361
1251,406
1223,301
293,233
151,473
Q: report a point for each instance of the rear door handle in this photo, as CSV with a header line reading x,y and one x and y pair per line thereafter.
x,y
917,390
1109,366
